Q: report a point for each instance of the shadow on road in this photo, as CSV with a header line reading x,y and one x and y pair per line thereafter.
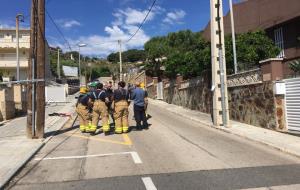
x,y
60,131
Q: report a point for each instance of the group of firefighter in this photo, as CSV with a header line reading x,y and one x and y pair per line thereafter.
x,y
101,101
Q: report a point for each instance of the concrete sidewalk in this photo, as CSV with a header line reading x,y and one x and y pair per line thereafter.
x,y
16,149
284,142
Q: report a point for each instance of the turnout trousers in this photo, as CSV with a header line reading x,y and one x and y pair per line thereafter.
x,y
121,116
99,109
84,117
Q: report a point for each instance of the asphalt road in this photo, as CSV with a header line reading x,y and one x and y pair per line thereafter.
x,y
174,154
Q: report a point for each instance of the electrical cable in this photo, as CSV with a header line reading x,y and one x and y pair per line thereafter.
x,y
140,26
59,31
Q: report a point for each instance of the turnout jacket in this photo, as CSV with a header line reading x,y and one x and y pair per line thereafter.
x,y
121,94
99,95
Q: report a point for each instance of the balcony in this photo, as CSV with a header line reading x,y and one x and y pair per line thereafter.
x,y
9,60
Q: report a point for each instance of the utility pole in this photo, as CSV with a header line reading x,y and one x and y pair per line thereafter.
x,y
233,37
17,38
85,72
40,96
219,79
79,67
30,129
120,56
58,64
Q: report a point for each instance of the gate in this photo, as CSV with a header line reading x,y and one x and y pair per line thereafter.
x,y
293,103
160,91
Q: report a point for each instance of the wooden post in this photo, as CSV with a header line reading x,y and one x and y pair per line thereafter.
x,y
40,97
33,28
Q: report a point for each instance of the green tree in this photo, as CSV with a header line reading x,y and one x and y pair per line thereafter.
x,y
252,47
102,71
113,57
155,48
129,56
187,53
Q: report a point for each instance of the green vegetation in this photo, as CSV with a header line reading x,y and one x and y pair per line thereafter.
x,y
252,47
98,67
187,53
99,71
295,66
129,56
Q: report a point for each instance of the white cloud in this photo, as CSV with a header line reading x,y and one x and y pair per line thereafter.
x,y
175,17
135,16
68,23
125,24
106,44
8,24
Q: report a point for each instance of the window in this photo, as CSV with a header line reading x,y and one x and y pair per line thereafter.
x,y
279,41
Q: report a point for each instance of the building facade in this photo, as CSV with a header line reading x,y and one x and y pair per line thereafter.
x,y
279,18
8,43
8,56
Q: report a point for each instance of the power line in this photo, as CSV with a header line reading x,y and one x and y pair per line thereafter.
x,y
59,31
28,15
140,26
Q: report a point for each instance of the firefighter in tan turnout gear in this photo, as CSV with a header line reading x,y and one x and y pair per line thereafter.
x,y
100,109
82,109
121,97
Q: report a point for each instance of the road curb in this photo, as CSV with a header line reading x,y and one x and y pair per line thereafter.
x,y
227,130
282,149
36,150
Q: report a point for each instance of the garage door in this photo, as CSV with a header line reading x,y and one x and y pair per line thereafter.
x,y
293,103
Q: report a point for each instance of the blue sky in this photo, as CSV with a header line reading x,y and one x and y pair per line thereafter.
x,y
99,23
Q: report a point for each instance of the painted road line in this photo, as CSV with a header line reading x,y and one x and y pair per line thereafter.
x,y
148,183
127,141
136,158
134,155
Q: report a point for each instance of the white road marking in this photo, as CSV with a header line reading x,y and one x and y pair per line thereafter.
x,y
136,158
148,183
134,155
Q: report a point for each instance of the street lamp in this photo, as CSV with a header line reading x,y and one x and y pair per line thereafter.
x,y
79,67
120,56
19,18
233,37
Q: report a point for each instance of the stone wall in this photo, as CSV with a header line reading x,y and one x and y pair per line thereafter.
x,y
151,89
194,94
7,105
253,104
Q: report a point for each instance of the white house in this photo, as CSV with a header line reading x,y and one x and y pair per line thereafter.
x,y
8,62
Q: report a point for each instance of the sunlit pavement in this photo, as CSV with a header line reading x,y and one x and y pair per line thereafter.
x,y
174,153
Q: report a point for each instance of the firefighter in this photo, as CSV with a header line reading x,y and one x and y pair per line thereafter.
x,y
110,94
121,97
82,109
100,109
